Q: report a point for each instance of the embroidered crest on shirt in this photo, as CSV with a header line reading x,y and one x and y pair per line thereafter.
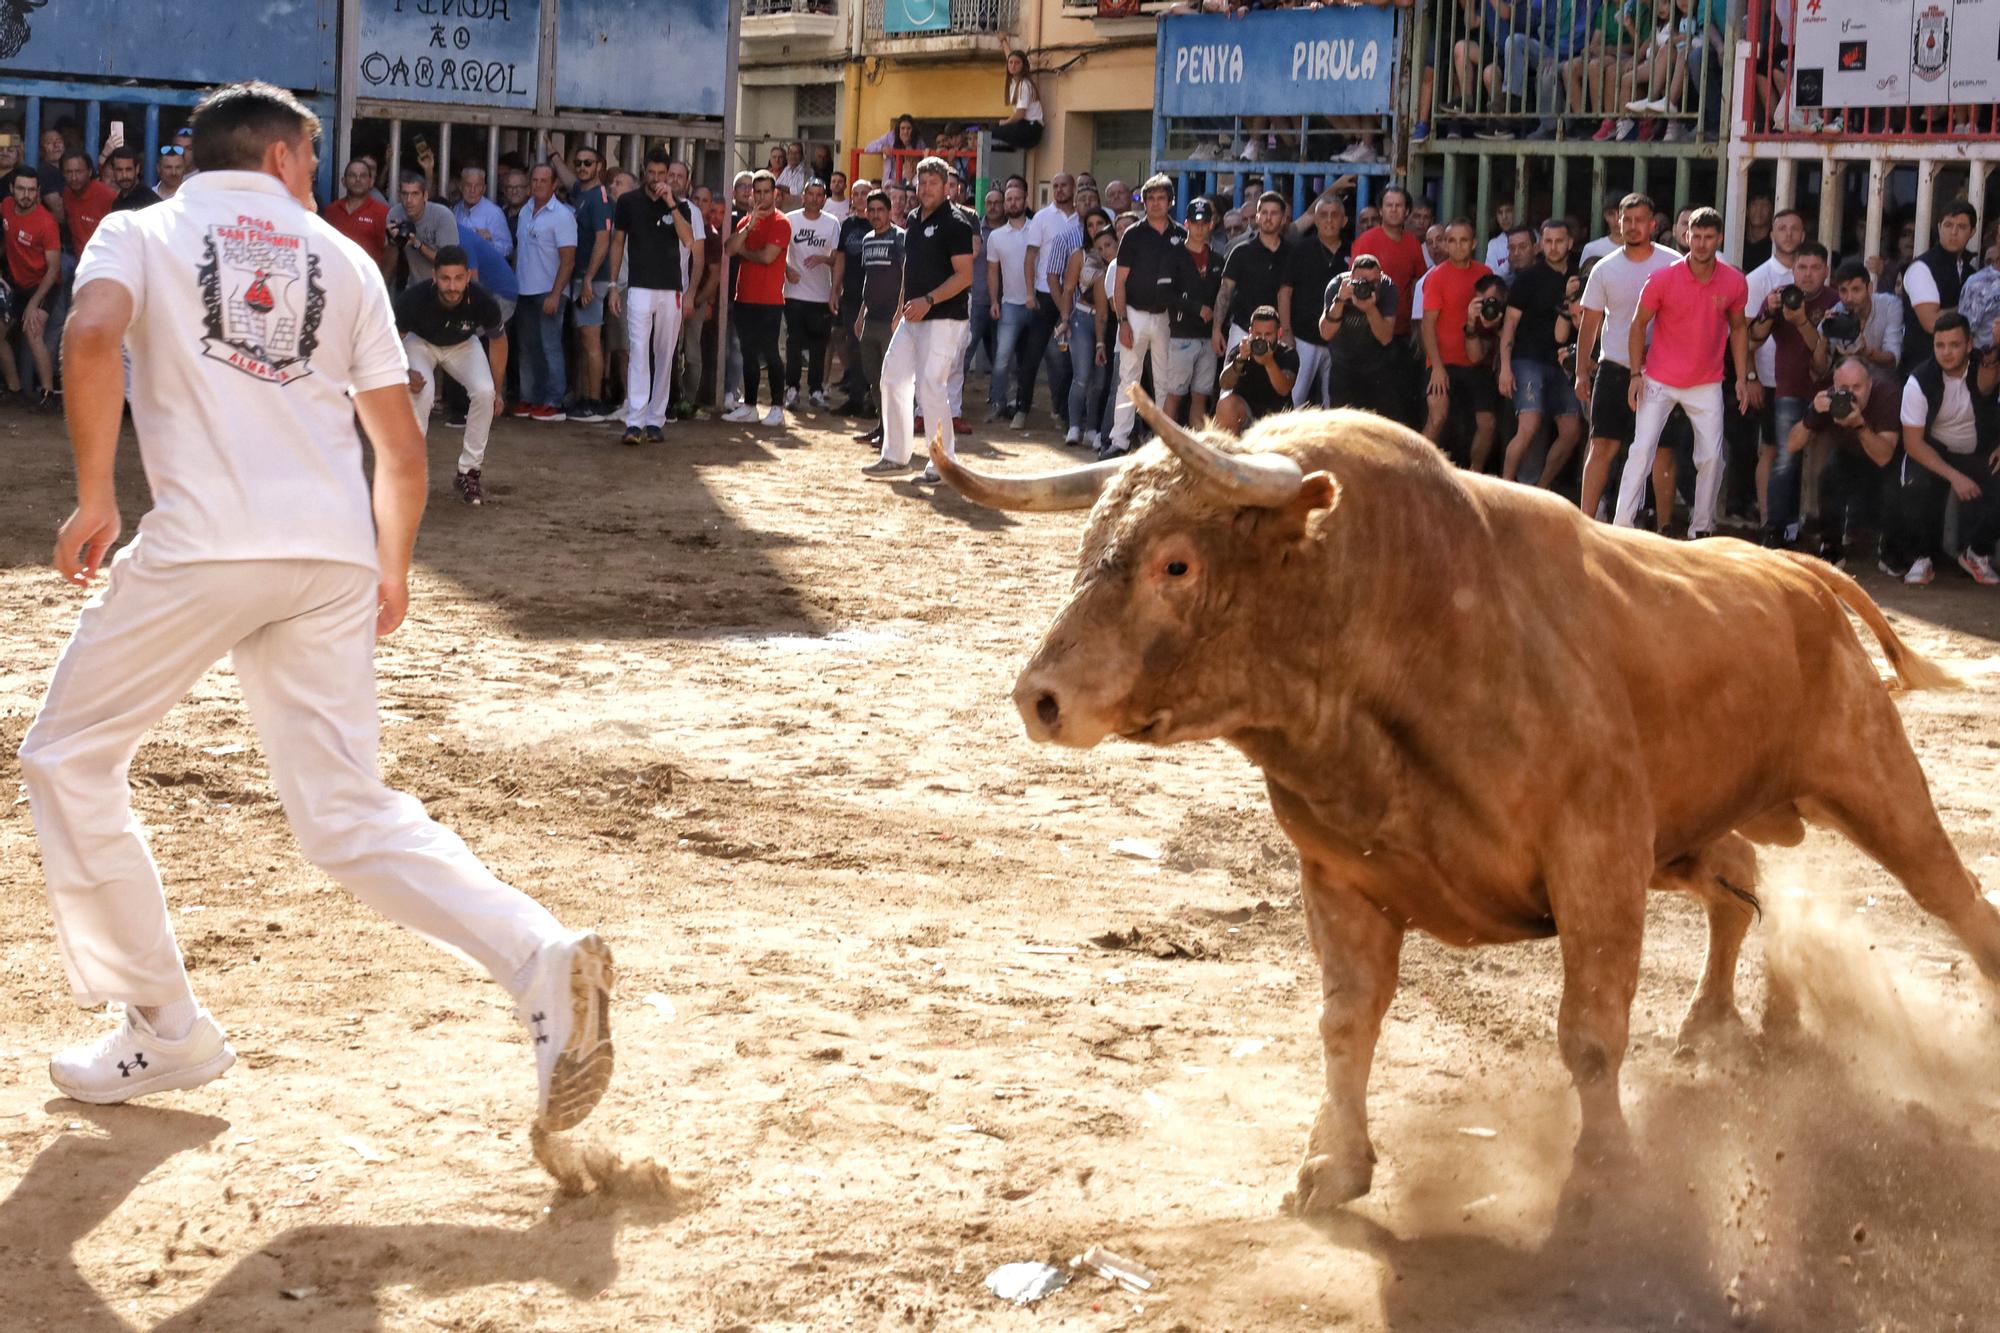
x,y
263,298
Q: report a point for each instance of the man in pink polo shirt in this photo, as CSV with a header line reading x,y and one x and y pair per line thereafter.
x,y
1699,306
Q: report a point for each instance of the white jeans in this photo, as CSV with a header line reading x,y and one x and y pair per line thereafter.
x,y
1703,405
301,635
916,374
1149,338
1314,368
465,362
652,328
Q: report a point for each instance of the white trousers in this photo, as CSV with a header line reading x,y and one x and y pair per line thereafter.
x,y
301,635
916,374
652,328
1315,365
1149,338
465,362
1703,405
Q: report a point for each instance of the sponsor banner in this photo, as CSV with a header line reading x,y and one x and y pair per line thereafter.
x,y
1872,53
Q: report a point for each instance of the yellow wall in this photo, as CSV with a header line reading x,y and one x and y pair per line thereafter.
x,y
960,90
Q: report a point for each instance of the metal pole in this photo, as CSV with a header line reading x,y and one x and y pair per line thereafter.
x,y
1785,184
1878,186
394,166
1976,173
1735,194
444,160
345,78
1927,174
731,95
1832,201
492,160
1482,207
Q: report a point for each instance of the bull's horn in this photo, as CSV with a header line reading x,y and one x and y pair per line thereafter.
x,y
1076,488
1263,481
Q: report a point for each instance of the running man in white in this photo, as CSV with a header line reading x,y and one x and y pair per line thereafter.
x,y
258,333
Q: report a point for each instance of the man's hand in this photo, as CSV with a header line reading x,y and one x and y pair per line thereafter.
x,y
586,293
1125,335
1853,420
1583,381
83,541
614,303
551,303
1796,317
1636,390
416,381
1215,342
392,603
1440,384
1965,488
1506,382
34,319
1032,303
1749,396
1993,462
995,311
1774,301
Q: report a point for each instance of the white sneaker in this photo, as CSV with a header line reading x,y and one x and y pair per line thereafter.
x,y
742,414
1677,133
1020,421
1657,105
1073,436
819,399
1095,439
566,1006
1978,566
731,399
791,398
930,477
132,1061
775,417
1920,572
1360,151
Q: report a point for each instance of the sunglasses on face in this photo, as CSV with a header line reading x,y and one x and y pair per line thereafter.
x,y
586,161
172,150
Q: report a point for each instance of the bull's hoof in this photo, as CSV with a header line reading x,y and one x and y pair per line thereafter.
x,y
1326,1182
1712,1036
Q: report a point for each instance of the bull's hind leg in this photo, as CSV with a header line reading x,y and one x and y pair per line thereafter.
x,y
1723,878
1597,893
1358,950
1878,798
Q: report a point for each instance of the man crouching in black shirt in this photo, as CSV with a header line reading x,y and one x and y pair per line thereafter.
x,y
1258,379
441,321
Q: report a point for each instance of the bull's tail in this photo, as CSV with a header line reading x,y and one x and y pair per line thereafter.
x,y
1912,668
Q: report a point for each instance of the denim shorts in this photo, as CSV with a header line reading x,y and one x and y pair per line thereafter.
x,y
1540,387
588,316
1190,367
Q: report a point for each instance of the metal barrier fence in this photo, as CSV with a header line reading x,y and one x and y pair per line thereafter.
x,y
900,164
942,18
1864,70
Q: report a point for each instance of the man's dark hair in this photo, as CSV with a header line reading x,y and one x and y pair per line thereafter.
x,y
1637,200
1960,207
1850,269
1489,282
124,152
1707,219
1269,312
1614,204
657,157
235,124
1560,224
1788,213
1387,190
76,153
1810,250
882,195
1949,321
1528,232
448,255
1270,197
413,178
1364,261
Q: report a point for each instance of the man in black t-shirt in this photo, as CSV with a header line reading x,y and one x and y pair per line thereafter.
x,y
1258,380
1315,259
1529,373
651,227
878,291
442,320
854,229
1358,324
930,340
1253,272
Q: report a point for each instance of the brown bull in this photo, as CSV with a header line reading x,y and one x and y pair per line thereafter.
x,y
1480,715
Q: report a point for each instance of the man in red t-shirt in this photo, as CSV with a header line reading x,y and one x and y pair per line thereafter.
x,y
361,217
761,241
1698,307
33,260
1401,253
1453,375
86,199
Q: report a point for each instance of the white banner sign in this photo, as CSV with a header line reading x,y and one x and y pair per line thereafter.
x,y
1864,53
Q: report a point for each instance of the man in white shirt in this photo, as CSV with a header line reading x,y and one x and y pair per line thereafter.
x,y
1610,299
1496,248
1053,236
1951,447
1007,303
809,294
258,334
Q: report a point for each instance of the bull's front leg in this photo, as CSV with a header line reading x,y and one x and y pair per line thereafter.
x,y
1358,948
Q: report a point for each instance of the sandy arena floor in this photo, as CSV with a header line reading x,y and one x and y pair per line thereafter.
x,y
881,1010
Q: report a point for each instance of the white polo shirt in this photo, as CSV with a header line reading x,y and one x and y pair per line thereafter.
x,y
1008,247
253,321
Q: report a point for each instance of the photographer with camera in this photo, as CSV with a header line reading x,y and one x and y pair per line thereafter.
x,y
1258,379
1790,321
1362,350
1854,428
1863,325
1951,446
419,228
1529,373
1455,381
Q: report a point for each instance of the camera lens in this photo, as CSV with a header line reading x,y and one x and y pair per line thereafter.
x,y
1792,297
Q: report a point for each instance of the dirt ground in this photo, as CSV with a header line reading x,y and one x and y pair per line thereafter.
x,y
881,1009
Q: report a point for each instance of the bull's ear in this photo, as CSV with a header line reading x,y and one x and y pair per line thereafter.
x,y
1317,492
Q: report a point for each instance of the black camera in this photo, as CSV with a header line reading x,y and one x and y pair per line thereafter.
x,y
1840,327
1491,308
1840,404
1792,298
1566,358
401,234
1260,347
1361,291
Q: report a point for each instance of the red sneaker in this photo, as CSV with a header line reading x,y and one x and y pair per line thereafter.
x,y
548,414
1605,131
920,425
958,426
520,410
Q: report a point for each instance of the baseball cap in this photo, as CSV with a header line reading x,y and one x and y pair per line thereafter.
x,y
1201,210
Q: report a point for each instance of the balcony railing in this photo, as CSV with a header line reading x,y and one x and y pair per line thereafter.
x,y
1116,9
1807,77
783,8
1573,70
967,18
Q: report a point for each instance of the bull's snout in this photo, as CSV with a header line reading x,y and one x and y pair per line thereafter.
x,y
1040,707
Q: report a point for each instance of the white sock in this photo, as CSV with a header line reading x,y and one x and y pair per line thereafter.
x,y
171,1021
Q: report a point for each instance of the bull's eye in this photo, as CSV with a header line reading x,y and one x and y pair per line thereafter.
x,y
1176,567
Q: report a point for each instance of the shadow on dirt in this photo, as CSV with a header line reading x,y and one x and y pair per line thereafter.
x,y
338,1274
